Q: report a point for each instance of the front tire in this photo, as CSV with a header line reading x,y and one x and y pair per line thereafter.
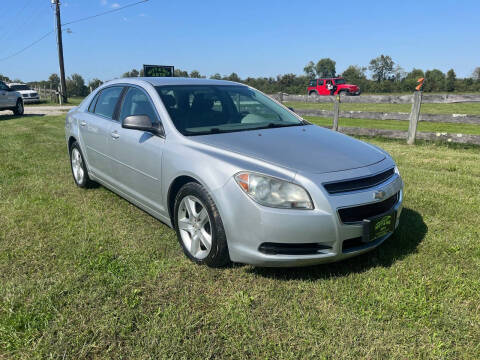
x,y
199,227
19,108
79,168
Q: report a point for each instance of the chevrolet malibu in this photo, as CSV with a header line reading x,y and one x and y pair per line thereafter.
x,y
240,177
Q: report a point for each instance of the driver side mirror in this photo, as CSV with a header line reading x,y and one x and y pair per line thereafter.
x,y
142,123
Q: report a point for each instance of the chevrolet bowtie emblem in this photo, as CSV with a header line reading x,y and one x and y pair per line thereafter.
x,y
379,195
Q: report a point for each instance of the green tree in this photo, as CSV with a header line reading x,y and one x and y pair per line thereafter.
x,y
354,74
180,73
195,74
310,70
434,80
95,83
76,85
5,78
133,73
476,74
325,68
233,77
54,79
382,68
450,82
216,76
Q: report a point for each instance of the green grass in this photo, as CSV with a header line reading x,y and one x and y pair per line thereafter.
x,y
85,274
71,101
399,125
456,108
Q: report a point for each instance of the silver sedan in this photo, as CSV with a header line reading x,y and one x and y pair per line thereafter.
x,y
240,177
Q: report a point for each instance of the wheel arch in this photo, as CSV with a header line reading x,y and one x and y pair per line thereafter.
x,y
71,140
173,190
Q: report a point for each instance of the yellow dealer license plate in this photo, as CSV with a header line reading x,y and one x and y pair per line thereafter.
x,y
378,227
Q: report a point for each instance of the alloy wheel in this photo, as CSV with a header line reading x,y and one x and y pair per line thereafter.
x,y
77,166
195,227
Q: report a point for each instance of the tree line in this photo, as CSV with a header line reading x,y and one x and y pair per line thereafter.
x,y
386,76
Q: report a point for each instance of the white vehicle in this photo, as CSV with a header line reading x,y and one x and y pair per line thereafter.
x,y
10,99
29,96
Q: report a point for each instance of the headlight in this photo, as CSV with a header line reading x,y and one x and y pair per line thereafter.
x,y
273,192
397,171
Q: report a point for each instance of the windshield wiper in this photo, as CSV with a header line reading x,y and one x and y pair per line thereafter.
x,y
277,125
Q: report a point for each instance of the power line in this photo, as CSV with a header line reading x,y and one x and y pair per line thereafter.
x,y
28,46
9,30
104,13
69,23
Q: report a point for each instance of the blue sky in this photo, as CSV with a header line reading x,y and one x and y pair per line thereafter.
x,y
249,37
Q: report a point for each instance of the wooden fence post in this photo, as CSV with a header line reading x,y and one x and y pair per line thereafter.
x,y
60,97
336,112
414,117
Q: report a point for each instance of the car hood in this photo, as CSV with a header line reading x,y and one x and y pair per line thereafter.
x,y
347,86
307,148
25,91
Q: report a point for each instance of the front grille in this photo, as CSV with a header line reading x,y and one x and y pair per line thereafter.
x,y
24,95
293,249
358,184
362,212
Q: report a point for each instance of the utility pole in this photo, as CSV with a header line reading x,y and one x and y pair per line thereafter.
x,y
63,85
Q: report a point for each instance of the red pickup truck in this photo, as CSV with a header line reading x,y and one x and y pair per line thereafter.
x,y
319,87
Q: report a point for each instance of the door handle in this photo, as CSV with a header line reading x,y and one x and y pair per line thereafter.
x,y
115,135
83,123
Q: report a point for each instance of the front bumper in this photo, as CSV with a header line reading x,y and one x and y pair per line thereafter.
x,y
251,228
31,100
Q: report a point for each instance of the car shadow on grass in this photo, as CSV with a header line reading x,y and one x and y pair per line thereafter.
x,y
13,117
403,242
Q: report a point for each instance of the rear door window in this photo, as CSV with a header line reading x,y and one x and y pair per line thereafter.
x,y
107,101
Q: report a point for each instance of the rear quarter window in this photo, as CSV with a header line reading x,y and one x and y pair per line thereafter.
x,y
91,108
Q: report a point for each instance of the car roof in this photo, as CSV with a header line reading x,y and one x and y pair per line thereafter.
x,y
161,81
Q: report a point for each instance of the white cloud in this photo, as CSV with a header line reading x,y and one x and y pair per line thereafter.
x,y
103,2
115,5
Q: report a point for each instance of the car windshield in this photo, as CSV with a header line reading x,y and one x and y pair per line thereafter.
x,y
19,87
213,109
339,81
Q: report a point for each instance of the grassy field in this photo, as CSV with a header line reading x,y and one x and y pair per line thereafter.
x,y
71,101
456,108
398,125
85,274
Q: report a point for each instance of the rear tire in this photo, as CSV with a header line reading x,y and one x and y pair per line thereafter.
x,y
19,108
199,227
79,168
313,93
